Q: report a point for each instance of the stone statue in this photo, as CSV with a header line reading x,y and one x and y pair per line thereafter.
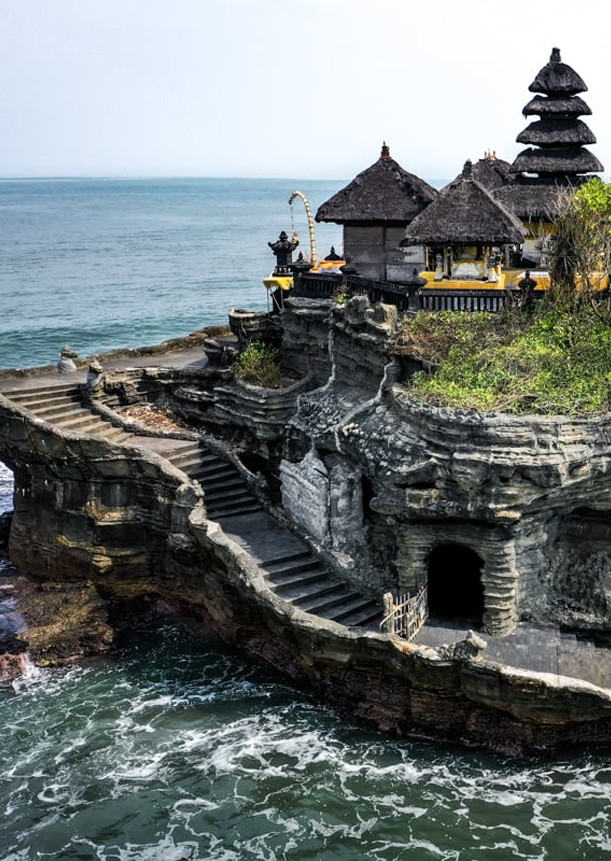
x,y
66,364
95,375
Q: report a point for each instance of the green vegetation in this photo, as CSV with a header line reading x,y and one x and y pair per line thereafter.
x,y
553,359
582,246
258,365
551,362
342,295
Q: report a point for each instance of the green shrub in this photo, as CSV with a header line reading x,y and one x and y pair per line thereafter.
x,y
258,365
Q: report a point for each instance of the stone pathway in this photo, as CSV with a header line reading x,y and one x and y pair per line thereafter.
x,y
533,647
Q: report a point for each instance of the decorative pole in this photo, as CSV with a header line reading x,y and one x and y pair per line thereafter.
x,y
306,203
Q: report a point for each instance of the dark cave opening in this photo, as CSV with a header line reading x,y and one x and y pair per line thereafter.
x,y
455,588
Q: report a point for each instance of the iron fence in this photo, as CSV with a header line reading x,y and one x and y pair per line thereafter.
x,y
405,614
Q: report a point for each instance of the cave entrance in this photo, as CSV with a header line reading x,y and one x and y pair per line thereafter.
x,y
455,588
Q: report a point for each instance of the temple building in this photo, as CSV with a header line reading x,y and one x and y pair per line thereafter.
x,y
374,209
389,214
466,233
557,157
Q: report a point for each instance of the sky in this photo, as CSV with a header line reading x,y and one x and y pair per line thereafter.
x,y
266,88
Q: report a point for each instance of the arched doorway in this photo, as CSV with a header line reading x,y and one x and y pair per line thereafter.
x,y
455,588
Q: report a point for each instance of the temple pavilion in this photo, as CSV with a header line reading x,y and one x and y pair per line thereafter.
x,y
374,209
467,234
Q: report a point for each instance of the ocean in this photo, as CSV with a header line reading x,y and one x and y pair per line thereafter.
x,y
179,748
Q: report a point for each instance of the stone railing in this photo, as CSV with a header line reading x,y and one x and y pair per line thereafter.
x,y
317,286
403,296
462,300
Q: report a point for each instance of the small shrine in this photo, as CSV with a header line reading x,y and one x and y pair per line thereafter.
x,y
467,235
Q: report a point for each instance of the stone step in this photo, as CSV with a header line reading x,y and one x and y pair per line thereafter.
x,y
330,600
366,614
301,562
227,500
29,401
88,424
231,481
316,574
77,422
304,591
358,609
185,455
193,459
35,392
211,471
77,414
108,431
290,556
234,511
67,409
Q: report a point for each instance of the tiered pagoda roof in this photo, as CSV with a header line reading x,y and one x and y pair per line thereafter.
x,y
558,137
384,192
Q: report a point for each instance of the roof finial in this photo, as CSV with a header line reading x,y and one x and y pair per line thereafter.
x,y
385,151
555,57
467,171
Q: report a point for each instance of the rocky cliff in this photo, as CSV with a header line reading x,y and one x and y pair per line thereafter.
x,y
378,485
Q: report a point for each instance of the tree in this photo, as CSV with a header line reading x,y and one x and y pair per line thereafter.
x,y
580,261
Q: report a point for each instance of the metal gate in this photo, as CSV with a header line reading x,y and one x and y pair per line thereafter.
x,y
405,614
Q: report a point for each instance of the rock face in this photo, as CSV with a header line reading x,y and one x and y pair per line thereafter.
x,y
503,519
528,497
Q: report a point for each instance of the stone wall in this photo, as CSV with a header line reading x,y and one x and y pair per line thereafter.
x,y
529,496
305,339
376,252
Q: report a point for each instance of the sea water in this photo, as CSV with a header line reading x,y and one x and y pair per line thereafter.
x,y
179,748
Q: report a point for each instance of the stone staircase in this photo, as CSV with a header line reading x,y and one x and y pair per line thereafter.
x,y
226,492
302,580
61,405
297,577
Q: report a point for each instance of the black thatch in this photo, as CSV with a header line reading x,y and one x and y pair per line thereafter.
x,y
571,106
465,213
384,192
557,79
490,171
565,161
557,132
534,199
559,136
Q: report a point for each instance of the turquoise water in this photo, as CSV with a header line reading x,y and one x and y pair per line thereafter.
x,y
100,264
182,750
179,748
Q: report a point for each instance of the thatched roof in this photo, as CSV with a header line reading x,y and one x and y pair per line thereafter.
x,y
556,78
465,213
531,198
557,132
557,161
559,136
490,171
384,192
569,106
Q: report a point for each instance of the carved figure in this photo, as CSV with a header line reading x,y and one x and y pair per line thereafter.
x,y
66,363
